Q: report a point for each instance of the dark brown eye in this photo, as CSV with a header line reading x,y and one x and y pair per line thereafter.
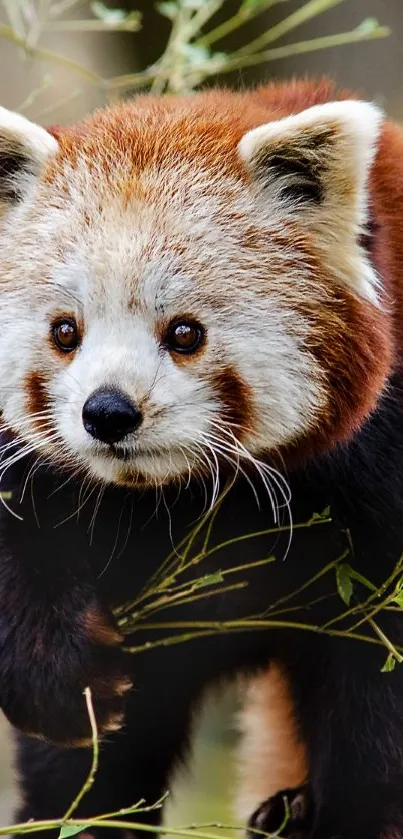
x,y
65,334
184,336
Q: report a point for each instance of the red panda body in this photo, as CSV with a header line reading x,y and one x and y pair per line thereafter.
x,y
193,288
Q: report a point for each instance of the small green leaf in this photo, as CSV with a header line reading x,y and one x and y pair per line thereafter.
x,y
210,579
368,25
398,598
70,830
117,18
363,580
323,516
389,665
167,9
344,582
195,54
102,12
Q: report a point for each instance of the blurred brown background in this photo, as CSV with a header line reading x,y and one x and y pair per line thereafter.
x,y
374,67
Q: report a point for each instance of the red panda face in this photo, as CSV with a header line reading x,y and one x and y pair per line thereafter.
x,y
179,288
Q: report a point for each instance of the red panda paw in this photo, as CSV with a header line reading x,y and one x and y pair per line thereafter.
x,y
286,814
42,688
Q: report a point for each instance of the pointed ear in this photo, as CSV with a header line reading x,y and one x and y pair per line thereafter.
x,y
24,148
314,167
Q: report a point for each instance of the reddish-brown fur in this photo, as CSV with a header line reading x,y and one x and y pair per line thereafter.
x,y
236,397
37,398
159,132
356,343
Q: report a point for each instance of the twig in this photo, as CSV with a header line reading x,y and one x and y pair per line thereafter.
x,y
33,827
201,17
172,56
55,106
242,16
42,54
126,25
305,13
64,6
227,65
354,36
130,611
386,641
95,758
33,96
267,532
242,625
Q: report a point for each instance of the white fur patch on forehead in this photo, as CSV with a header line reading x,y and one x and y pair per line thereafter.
x,y
314,167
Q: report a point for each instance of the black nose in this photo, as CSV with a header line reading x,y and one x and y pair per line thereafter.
x,y
110,416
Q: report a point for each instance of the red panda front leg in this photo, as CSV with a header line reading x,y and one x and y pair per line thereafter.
x,y
289,812
54,645
350,717
272,760
56,636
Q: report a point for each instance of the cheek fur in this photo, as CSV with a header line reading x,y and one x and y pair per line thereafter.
x,y
236,399
37,399
351,345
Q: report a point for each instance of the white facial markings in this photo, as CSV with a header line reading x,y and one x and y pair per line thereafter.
x,y
128,253
126,274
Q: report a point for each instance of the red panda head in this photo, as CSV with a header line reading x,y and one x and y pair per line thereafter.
x,y
182,282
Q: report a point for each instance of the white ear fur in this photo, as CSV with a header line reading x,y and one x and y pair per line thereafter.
x,y
356,122
24,147
314,166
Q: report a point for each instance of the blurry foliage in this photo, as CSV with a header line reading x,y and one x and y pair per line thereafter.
x,y
193,52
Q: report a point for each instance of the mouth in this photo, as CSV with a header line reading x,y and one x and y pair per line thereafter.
x,y
162,460
113,452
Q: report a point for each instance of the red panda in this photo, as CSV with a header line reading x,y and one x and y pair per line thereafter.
x,y
192,287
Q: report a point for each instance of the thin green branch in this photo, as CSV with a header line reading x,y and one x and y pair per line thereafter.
x,y
129,24
42,54
35,94
174,563
312,580
64,6
187,596
33,827
95,758
172,57
354,36
55,106
242,16
259,533
305,13
119,824
375,595
201,17
14,14
131,81
167,588
135,808
396,652
242,625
